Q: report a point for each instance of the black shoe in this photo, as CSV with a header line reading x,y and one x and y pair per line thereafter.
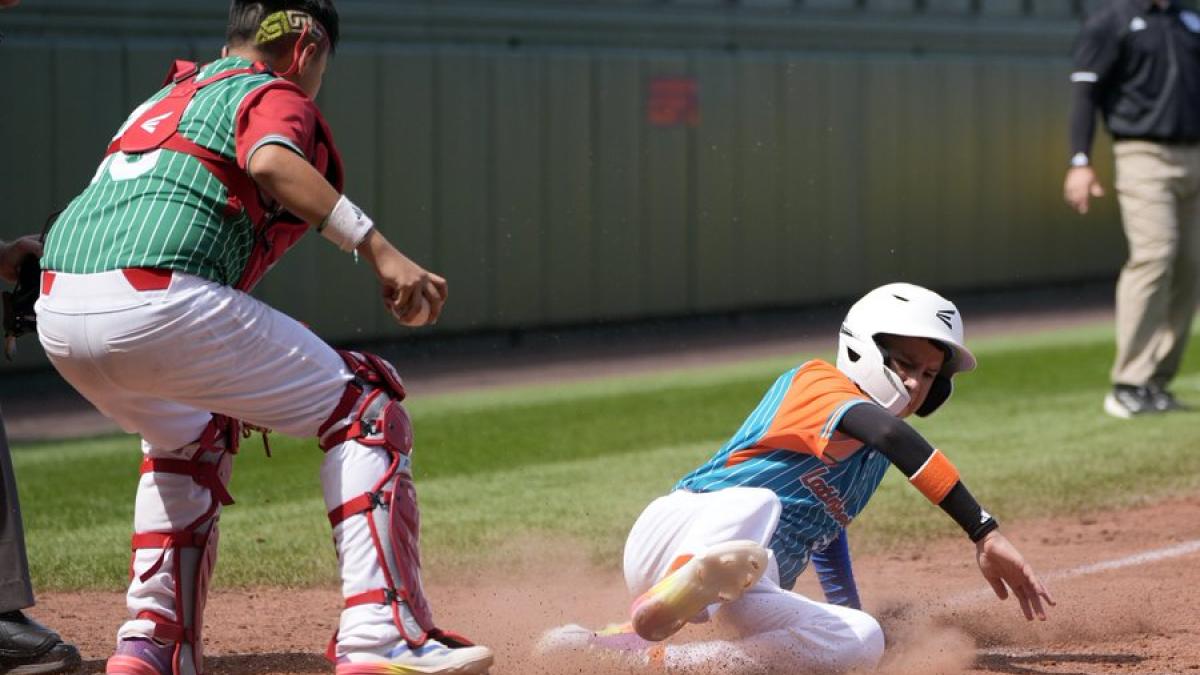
x,y
29,648
1126,401
1164,401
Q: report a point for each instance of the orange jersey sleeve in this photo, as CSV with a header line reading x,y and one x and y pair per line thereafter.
x,y
807,417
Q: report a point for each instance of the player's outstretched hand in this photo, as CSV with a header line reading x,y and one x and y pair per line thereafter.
x,y
1005,568
13,253
414,295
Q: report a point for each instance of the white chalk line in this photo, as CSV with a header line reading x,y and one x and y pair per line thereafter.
x,y
1156,555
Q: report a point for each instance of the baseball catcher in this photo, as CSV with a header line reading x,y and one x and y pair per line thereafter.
x,y
144,309
734,535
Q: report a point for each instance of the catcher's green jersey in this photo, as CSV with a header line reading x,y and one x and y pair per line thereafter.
x,y
163,209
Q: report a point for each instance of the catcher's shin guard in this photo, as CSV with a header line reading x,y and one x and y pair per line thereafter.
x,y
175,538
372,506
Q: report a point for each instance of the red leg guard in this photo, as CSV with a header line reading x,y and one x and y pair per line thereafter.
x,y
378,420
189,554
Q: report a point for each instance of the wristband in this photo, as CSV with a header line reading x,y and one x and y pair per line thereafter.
x,y
1080,159
984,528
346,225
970,516
936,477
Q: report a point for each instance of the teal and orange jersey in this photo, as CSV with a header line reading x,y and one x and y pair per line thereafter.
x,y
790,444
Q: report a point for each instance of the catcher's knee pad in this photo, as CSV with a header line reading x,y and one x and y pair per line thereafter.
x,y
175,541
372,501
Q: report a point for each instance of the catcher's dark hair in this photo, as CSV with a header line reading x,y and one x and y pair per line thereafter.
x,y
246,16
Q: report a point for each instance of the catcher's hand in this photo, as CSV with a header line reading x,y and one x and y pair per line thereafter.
x,y
19,263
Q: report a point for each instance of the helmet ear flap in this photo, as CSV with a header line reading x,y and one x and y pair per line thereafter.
x,y
863,362
939,391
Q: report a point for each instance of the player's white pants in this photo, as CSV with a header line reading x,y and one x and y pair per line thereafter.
x,y
158,362
780,630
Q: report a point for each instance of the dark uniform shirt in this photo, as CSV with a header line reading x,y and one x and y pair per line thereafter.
x,y
1140,65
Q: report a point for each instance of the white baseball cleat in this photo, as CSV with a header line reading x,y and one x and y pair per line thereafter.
x,y
721,574
431,658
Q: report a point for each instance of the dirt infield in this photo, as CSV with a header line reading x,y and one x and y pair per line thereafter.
x,y
1138,617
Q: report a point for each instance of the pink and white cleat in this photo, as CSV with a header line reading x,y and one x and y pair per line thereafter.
x,y
721,574
141,656
431,658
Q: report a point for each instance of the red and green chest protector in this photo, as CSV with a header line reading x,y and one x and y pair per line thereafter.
x,y
157,128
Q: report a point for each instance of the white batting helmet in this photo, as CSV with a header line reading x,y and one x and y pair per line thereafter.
x,y
901,309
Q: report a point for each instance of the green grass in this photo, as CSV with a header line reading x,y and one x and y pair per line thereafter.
x,y
576,462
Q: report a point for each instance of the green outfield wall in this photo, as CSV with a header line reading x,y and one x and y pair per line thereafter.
x,y
567,162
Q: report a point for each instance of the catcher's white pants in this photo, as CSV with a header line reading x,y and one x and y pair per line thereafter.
x,y
158,362
779,629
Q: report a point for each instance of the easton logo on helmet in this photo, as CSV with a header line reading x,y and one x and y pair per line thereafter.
x,y
945,316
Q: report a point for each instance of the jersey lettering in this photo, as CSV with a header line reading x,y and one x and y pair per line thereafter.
x,y
834,505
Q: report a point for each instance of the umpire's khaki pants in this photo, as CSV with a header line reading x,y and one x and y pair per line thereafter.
x,y
1158,187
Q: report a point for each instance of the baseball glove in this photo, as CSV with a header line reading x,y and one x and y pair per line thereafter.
x,y
19,317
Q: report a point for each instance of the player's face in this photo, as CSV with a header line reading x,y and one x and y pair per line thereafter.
x,y
917,361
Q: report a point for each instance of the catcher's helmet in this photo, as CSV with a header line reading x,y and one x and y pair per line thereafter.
x,y
901,309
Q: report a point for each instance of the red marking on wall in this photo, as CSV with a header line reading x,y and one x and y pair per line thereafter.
x,y
673,102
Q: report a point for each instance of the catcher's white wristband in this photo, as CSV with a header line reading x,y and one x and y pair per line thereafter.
x,y
346,225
